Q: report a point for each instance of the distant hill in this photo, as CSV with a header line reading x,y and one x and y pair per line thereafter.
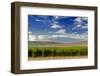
x,y
81,43
43,42
51,43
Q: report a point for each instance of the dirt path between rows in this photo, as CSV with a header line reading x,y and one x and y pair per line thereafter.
x,y
57,58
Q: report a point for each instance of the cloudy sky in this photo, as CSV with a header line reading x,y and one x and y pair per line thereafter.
x,y
57,28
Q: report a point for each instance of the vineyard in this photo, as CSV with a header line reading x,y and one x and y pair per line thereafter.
x,y
35,52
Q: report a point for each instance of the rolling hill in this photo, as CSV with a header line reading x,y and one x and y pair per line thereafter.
x,y
50,43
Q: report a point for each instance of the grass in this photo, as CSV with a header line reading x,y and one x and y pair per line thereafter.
x,y
41,52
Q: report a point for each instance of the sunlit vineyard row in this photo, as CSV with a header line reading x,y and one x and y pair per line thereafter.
x,y
57,51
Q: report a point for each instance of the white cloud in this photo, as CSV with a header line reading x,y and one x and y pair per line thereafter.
x,y
55,36
50,37
55,26
32,38
78,20
42,17
85,18
74,36
38,20
38,37
61,17
82,36
56,17
29,32
78,25
61,31
84,27
85,33
43,38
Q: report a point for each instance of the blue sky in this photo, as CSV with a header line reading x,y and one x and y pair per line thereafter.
x,y
57,28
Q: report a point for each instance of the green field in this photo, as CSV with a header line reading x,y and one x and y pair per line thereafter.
x,y
43,52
